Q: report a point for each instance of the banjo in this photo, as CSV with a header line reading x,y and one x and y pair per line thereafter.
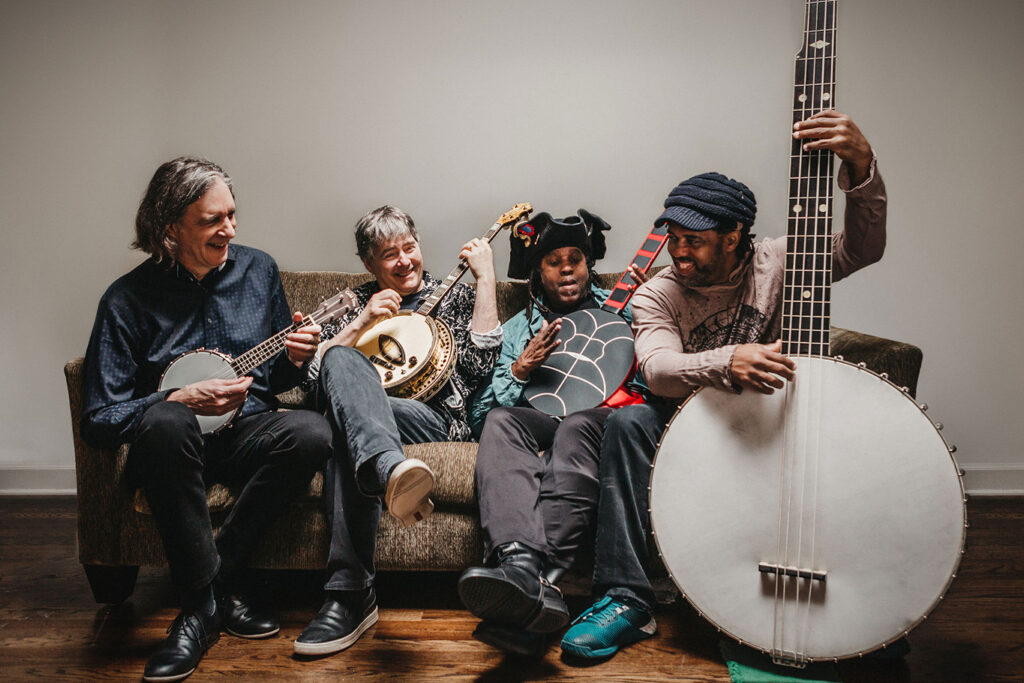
x,y
827,519
413,353
595,354
203,364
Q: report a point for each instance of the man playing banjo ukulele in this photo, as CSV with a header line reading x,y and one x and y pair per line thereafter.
x,y
199,290
711,319
370,427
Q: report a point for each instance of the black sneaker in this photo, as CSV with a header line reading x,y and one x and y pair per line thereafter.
x,y
344,617
191,635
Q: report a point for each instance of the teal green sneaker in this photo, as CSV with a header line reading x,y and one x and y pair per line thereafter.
x,y
608,625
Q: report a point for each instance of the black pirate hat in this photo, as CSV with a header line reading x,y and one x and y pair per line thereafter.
x,y
543,234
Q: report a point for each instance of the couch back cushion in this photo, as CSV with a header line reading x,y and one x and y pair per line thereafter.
x,y
305,290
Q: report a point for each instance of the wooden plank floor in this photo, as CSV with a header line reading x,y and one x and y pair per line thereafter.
x,y
50,629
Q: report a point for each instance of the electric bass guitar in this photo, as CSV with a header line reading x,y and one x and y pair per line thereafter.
x,y
595,356
414,353
202,364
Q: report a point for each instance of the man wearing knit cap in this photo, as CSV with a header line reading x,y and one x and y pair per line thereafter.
x,y
713,319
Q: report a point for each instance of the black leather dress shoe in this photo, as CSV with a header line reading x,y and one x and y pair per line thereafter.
x,y
243,618
514,593
343,618
191,635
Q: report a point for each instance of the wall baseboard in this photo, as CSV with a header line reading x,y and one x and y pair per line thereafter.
x,y
996,479
33,481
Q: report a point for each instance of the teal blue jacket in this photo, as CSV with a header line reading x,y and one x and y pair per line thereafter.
x,y
503,388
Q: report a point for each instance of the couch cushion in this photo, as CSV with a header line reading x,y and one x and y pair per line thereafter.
x,y
453,464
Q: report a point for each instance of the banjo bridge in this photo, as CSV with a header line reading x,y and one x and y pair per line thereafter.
x,y
788,658
778,569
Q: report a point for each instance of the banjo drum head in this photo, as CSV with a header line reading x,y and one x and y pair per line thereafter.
x,y
196,366
590,364
868,494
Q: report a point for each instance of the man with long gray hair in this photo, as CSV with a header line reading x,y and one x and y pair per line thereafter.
x,y
197,289
371,427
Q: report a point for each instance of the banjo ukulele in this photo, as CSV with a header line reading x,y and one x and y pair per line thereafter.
x,y
825,520
203,364
413,353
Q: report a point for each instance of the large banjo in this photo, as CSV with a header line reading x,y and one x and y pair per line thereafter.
x,y
825,520
203,364
414,353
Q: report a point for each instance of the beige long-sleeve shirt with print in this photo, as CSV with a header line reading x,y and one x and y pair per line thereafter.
x,y
686,336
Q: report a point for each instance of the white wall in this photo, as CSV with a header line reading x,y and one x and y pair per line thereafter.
x,y
456,110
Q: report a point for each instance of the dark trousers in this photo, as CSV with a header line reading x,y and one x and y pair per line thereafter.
x,y
621,550
545,502
369,428
274,454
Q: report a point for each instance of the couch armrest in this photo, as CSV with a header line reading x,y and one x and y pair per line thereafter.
x,y
901,361
102,496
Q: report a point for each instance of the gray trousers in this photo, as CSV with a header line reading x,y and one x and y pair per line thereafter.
x,y
546,502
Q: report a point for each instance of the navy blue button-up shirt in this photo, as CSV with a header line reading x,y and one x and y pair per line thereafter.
x,y
153,314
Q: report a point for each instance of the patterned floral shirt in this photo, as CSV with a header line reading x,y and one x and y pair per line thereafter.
x,y
477,353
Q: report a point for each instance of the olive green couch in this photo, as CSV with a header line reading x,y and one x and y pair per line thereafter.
x,y
116,534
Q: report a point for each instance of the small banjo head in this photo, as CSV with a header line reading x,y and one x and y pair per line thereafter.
x,y
197,366
590,364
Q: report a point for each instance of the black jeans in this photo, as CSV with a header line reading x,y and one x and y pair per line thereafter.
x,y
274,454
547,502
369,429
621,550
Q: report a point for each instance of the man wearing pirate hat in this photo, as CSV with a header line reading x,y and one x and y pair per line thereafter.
x,y
710,320
535,511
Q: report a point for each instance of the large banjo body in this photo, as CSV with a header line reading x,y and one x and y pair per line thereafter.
x,y
826,520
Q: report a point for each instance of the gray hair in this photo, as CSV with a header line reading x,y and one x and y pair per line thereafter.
x,y
175,186
379,226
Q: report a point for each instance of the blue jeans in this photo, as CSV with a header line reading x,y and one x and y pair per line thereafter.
x,y
621,550
369,429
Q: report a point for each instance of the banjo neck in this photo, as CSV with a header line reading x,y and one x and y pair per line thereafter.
x,y
808,280
643,260
514,214
329,310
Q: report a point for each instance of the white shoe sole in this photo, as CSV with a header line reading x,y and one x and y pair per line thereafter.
x,y
408,489
332,646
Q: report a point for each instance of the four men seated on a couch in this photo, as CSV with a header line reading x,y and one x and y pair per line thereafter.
x,y
587,488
